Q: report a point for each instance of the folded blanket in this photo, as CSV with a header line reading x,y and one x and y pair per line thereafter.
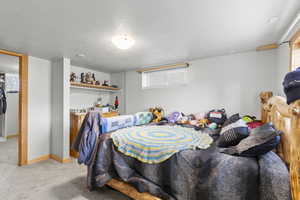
x,y
155,144
115,123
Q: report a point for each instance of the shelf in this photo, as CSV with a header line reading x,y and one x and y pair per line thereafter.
x,y
93,87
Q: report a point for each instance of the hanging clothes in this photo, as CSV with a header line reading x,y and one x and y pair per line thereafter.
x,y
3,103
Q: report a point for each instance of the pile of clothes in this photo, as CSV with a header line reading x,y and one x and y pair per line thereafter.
x,y
235,135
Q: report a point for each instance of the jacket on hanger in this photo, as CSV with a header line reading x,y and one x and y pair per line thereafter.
x,y
3,103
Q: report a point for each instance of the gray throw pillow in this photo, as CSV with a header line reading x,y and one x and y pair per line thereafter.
x,y
233,131
261,140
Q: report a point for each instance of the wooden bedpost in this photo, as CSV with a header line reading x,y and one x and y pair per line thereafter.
x,y
295,150
264,97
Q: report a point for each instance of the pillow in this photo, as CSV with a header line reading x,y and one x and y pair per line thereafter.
x,y
142,118
217,116
234,130
261,140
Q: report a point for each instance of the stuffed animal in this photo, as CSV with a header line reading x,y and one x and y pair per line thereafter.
x,y
203,123
187,119
158,114
174,117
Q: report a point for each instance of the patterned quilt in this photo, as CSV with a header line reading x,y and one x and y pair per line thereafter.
x,y
155,144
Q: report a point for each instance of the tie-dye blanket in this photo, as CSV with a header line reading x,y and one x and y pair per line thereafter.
x,y
155,144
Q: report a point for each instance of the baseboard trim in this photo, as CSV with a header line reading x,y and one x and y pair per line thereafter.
x,y
12,136
49,156
58,159
39,159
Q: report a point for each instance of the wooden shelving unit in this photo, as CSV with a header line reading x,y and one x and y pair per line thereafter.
x,y
95,87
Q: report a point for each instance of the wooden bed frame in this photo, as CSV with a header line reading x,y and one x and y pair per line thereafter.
x,y
287,119
284,117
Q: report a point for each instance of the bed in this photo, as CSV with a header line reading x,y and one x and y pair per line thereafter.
x,y
273,110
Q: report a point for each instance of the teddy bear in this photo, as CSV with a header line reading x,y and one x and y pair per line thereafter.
x,y
158,114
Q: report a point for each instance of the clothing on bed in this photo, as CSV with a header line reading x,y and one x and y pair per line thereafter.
x,y
191,174
155,144
115,123
233,131
261,140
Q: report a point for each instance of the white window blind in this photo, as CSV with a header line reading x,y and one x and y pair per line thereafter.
x,y
164,78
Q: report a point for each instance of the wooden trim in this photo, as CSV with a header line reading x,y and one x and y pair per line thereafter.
x,y
2,51
85,85
163,67
130,191
58,159
12,136
285,118
39,159
49,156
295,37
23,106
267,47
23,111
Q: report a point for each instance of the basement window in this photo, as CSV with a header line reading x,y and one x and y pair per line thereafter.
x,y
164,78
295,51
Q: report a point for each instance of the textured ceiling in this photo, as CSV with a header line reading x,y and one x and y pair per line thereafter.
x,y
165,31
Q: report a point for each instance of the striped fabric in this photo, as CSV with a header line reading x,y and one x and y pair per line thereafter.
x,y
155,144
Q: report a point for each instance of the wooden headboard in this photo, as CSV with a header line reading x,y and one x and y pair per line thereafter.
x,y
287,119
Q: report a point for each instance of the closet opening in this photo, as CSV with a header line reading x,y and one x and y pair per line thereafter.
x,y
13,108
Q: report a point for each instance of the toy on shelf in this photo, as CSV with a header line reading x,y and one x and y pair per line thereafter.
x,y
82,78
116,103
73,77
105,83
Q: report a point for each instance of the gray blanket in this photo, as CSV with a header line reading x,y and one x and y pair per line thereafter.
x,y
194,174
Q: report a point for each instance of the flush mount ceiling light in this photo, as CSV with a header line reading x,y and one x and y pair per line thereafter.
x,y
123,41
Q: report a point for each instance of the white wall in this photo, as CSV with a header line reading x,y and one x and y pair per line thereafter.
x,y
60,132
232,82
39,108
80,98
12,118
